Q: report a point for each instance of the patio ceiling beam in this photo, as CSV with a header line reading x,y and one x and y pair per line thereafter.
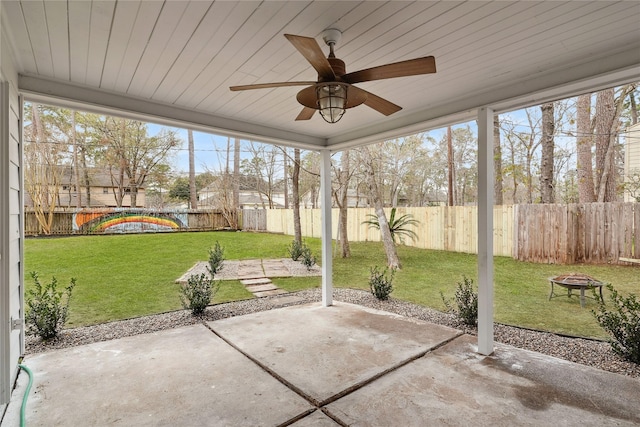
x,y
64,94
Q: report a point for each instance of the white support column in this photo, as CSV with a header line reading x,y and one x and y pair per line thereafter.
x,y
325,203
485,231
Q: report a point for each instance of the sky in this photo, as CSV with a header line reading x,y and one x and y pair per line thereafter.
x,y
210,150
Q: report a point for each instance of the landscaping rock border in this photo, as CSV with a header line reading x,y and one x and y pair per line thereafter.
x,y
597,354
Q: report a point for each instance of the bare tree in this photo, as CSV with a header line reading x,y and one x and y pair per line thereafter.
x,y
497,161
76,166
236,173
450,170
341,197
193,196
295,184
129,152
43,169
584,141
547,159
387,240
262,171
607,124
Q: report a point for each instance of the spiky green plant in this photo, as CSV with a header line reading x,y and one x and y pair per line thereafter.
x,y
399,227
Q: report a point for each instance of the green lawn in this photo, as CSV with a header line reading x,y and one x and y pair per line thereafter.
x,y
126,276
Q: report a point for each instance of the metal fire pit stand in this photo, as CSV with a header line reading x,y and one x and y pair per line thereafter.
x,y
572,282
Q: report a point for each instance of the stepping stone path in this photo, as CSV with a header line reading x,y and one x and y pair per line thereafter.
x,y
253,275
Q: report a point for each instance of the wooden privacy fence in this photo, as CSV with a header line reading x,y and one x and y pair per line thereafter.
x,y
253,219
563,234
447,228
595,233
126,220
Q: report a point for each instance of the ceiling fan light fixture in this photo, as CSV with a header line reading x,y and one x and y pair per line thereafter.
x,y
332,100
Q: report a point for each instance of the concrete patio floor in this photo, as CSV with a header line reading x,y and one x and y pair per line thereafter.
x,y
312,366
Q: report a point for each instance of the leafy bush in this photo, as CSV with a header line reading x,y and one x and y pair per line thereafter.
x,y
47,307
380,283
197,293
308,259
216,259
296,249
399,227
622,322
466,300
299,250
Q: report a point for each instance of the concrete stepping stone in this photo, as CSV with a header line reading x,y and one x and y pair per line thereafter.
x,y
250,269
259,281
275,268
262,288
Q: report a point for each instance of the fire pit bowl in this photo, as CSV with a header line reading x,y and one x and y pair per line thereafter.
x,y
575,281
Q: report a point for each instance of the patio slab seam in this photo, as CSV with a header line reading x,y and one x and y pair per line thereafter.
x,y
387,371
264,367
321,404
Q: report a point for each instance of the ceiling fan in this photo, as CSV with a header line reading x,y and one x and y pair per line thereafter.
x,y
334,92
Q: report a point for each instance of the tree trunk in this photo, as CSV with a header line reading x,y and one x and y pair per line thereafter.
x,y
389,246
286,178
497,161
85,176
193,195
605,173
236,173
607,128
344,199
584,141
450,195
295,176
546,160
633,108
76,167
133,195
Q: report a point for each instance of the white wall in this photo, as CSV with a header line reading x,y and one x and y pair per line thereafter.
x,y
11,238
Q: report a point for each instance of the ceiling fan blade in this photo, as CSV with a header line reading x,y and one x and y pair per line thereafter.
x,y
270,85
411,67
310,49
306,113
381,105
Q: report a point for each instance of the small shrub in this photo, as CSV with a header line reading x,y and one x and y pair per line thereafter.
x,y
295,250
197,293
621,320
466,301
216,259
308,259
380,283
47,307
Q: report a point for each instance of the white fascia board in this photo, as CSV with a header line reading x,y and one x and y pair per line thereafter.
x,y
64,94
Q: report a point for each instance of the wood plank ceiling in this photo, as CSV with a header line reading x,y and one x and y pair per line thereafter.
x,y
182,57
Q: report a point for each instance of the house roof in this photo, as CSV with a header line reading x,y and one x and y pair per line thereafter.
x,y
173,62
98,177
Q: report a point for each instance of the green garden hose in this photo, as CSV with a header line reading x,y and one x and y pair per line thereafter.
x,y
26,394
